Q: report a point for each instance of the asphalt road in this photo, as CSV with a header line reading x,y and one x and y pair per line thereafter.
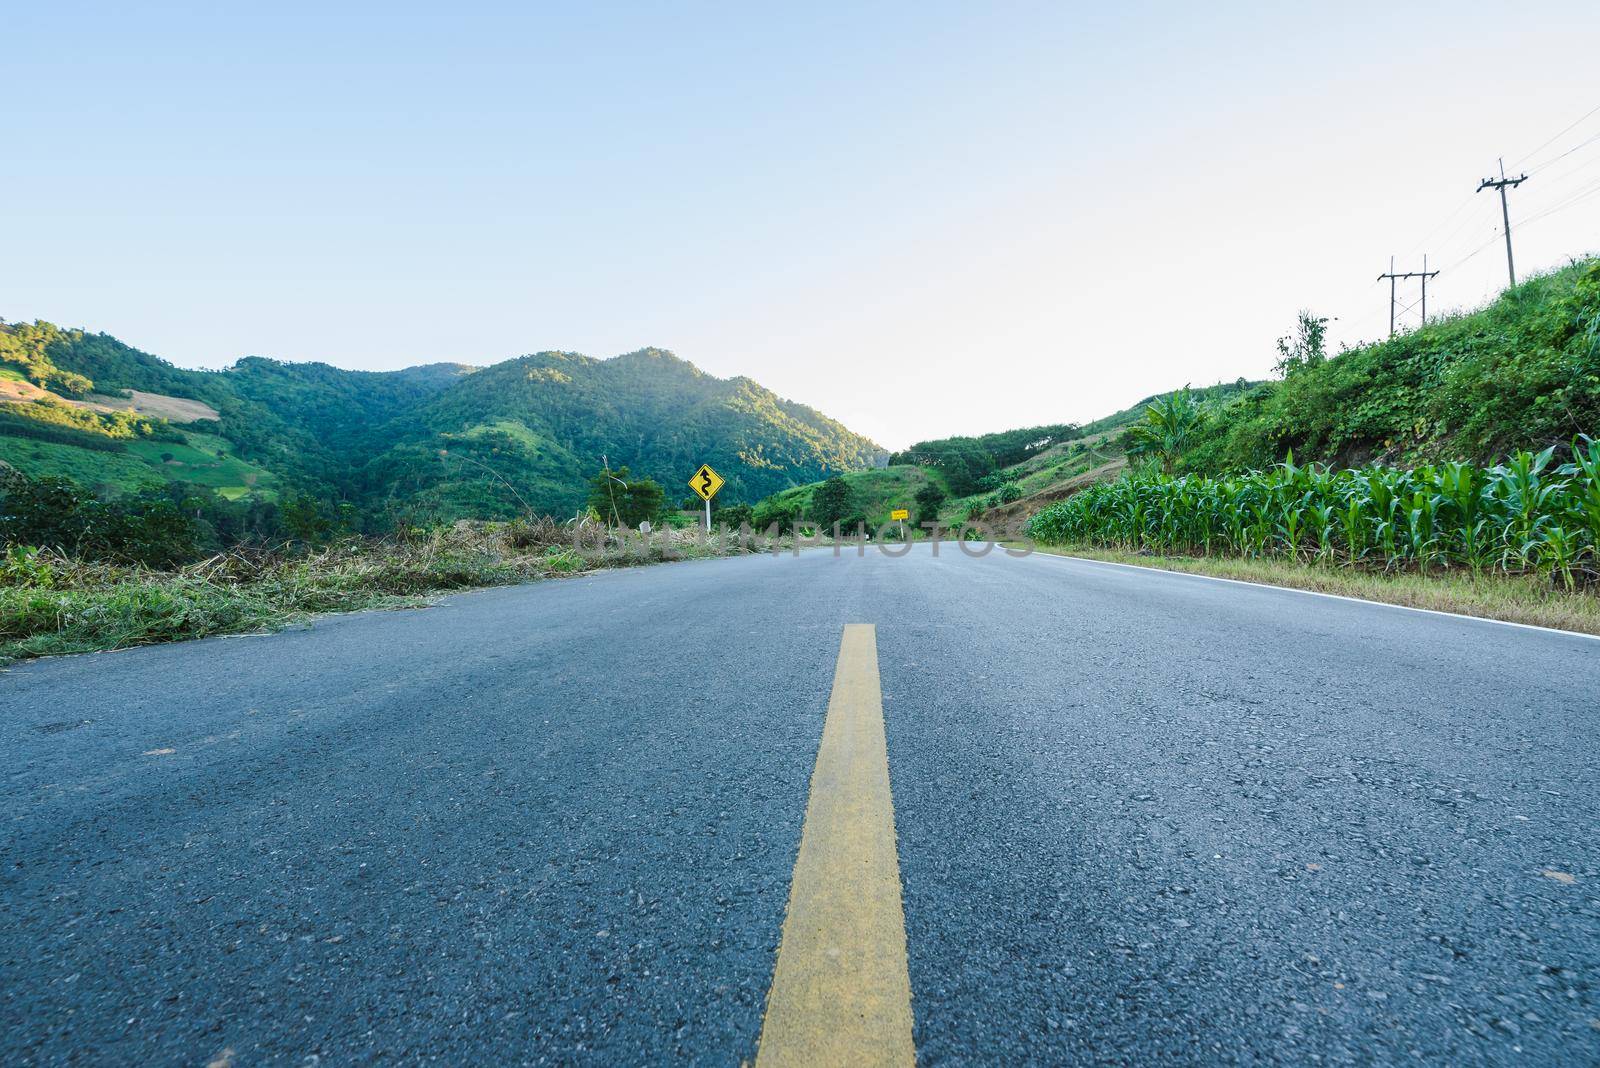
x,y
1141,818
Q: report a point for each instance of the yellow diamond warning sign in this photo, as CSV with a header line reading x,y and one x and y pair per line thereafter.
x,y
706,482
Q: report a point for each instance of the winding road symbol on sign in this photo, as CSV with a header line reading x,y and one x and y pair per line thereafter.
x,y
706,482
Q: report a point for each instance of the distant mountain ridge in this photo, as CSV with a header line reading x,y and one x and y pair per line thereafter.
x,y
446,440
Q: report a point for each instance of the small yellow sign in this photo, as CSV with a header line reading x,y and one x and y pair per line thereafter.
x,y
706,482
900,514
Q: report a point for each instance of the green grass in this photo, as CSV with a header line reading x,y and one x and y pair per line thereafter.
x,y
52,605
205,460
874,493
512,428
1515,599
90,467
11,374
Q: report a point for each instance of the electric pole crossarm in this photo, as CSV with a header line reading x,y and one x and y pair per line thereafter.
x,y
1395,277
1498,183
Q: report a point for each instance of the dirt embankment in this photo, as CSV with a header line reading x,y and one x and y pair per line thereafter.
x,y
15,392
1020,509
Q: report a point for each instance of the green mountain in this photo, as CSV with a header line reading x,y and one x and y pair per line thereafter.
x,y
428,443
546,421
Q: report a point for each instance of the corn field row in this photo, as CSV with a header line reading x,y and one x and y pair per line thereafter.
x,y
1532,513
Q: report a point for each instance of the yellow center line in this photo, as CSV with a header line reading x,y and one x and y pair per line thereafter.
x,y
841,994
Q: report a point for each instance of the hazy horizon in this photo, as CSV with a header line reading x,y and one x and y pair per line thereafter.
x,y
918,220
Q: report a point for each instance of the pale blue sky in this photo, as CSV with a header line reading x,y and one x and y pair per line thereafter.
x,y
921,218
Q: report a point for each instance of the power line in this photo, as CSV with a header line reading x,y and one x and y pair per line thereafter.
x,y
1564,155
1452,241
1474,253
1563,205
1470,200
1578,122
1555,186
1558,189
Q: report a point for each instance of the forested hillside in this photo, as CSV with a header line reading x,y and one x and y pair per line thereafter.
x,y
374,449
544,422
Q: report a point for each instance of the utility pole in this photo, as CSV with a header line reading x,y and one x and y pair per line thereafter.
x,y
1391,295
611,494
1424,289
1505,212
1393,278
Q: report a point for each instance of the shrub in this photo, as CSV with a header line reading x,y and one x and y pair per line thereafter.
x,y
733,516
625,501
144,528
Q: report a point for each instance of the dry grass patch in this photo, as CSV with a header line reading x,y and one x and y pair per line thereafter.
x,y
1530,599
158,405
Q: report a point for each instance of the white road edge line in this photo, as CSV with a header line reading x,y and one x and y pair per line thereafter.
x,y
1319,593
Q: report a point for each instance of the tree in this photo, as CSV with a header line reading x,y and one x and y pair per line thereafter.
x,y
28,347
303,518
1306,347
967,463
623,501
929,499
831,501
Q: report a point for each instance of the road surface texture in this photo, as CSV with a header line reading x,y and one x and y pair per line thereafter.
x,y
1140,818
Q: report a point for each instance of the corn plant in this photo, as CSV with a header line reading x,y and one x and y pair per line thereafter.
x,y
1524,515
1585,467
1526,498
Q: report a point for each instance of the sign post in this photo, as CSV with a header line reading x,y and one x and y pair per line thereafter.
x,y
901,515
705,484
